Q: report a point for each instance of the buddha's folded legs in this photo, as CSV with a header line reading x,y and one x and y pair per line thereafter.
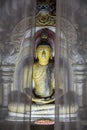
x,y
19,103
41,109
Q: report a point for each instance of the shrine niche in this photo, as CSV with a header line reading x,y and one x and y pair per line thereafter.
x,y
43,71
27,67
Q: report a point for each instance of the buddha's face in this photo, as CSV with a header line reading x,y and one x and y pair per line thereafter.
x,y
44,53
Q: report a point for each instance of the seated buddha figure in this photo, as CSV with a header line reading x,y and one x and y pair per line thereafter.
x,y
43,88
43,74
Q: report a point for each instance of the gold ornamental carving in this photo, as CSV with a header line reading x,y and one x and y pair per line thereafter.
x,y
45,19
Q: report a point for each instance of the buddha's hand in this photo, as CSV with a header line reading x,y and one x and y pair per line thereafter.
x,y
43,100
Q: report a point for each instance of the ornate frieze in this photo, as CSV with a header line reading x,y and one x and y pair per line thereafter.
x,y
45,19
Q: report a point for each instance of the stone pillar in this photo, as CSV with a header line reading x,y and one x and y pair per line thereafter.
x,y
7,72
80,76
80,81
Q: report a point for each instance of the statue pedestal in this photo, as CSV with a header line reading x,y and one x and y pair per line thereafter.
x,y
22,112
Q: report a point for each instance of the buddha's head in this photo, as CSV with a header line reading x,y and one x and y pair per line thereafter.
x,y
44,53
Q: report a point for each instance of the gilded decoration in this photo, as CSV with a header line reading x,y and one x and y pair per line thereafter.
x,y
45,19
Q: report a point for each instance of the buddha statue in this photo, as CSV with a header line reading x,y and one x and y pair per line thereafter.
x,y
43,75
43,83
